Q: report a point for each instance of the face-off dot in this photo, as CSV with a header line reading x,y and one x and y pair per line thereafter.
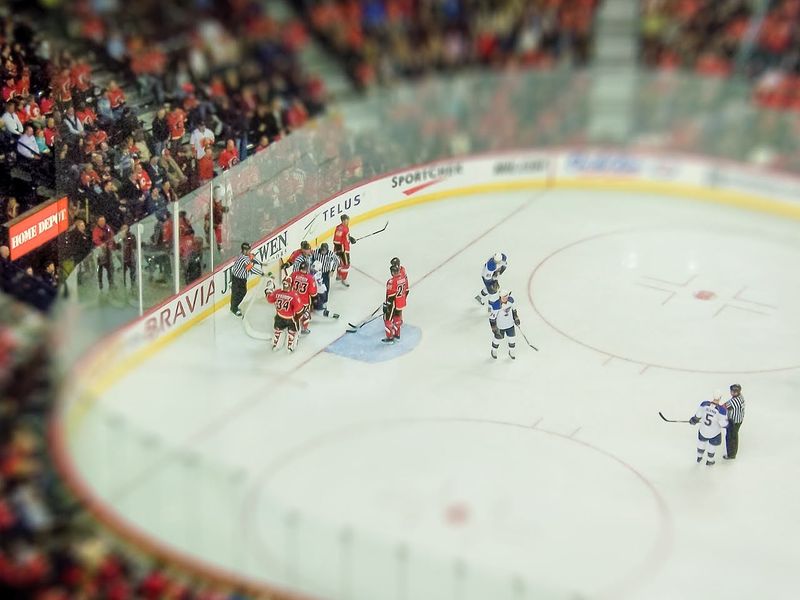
x,y
705,295
456,514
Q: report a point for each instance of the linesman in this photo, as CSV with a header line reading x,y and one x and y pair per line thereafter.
x,y
245,265
329,263
735,408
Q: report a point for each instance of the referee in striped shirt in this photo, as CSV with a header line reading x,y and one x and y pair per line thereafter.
x,y
735,408
330,262
245,265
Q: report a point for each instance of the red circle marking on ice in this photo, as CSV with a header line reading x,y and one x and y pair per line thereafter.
x,y
705,295
456,514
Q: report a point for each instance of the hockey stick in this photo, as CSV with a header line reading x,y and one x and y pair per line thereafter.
x,y
374,232
660,414
353,328
525,337
310,223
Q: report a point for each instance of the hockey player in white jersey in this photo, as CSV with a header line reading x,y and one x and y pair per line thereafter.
x,y
492,269
320,301
713,418
502,319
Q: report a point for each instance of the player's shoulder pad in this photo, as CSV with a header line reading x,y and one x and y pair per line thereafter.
x,y
705,403
495,304
722,410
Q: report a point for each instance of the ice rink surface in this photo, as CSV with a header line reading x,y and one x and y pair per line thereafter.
x,y
440,473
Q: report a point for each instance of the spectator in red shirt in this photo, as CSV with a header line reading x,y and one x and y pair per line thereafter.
x,y
176,121
50,132
34,112
229,157
81,79
90,180
9,89
116,98
24,83
46,104
140,179
62,86
205,168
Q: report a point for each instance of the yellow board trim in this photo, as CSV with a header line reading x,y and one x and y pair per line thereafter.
x,y
781,208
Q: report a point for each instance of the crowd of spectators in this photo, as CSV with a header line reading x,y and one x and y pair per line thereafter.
x,y
50,549
131,113
384,40
718,38
139,109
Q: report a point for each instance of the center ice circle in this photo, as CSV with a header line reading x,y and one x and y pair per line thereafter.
x,y
716,302
531,497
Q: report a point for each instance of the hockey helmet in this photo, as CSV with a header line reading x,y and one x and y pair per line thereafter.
x,y
505,293
323,247
316,266
395,262
394,269
498,257
304,265
736,388
304,245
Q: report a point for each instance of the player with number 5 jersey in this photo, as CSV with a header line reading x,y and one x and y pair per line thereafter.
x,y
713,418
396,295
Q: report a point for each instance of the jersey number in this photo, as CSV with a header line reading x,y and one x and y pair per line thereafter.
x,y
400,288
708,420
301,286
283,304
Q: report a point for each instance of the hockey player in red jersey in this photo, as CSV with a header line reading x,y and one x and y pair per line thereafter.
x,y
396,263
303,283
303,250
396,294
341,247
288,310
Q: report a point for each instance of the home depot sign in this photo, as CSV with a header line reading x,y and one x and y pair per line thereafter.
x,y
37,226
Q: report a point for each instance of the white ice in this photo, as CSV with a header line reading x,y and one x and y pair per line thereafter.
x,y
444,474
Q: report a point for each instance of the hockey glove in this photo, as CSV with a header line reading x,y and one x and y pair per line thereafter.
x,y
495,331
516,318
352,239
694,420
501,271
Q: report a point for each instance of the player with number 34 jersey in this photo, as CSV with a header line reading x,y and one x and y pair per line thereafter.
x,y
288,309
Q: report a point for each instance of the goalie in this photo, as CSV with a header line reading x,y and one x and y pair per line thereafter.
x,y
288,311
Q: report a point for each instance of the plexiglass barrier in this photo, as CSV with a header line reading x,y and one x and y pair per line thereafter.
x,y
389,130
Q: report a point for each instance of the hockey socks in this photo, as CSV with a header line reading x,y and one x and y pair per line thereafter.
x,y
292,343
342,273
512,349
276,339
397,323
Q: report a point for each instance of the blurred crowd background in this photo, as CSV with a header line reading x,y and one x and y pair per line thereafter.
x,y
125,108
